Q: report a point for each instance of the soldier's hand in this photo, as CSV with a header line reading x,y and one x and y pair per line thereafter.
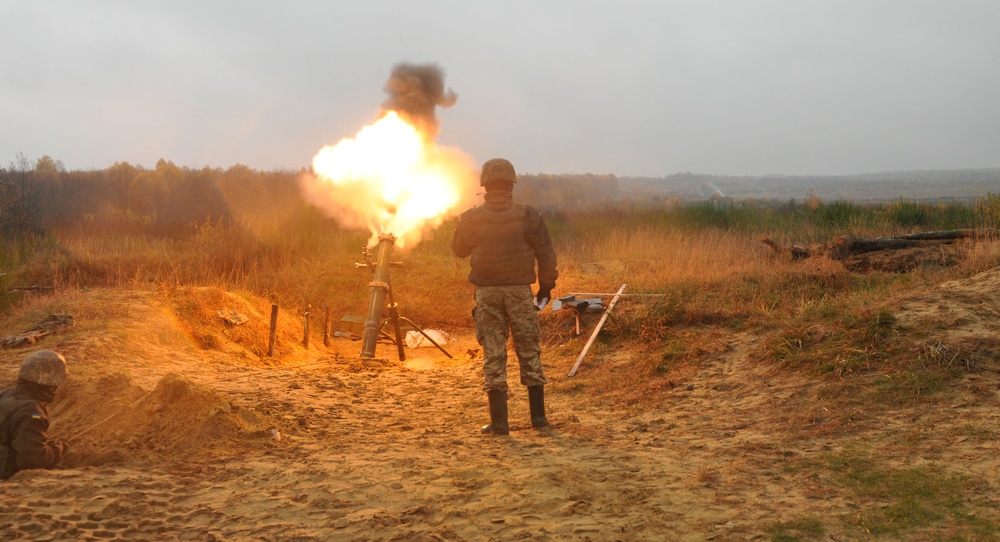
x,y
544,292
62,446
543,296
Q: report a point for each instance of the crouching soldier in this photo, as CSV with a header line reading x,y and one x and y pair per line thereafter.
x,y
505,240
24,418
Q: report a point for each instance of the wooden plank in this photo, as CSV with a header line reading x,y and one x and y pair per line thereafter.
x,y
593,336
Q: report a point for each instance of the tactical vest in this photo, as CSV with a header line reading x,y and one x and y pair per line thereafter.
x,y
10,405
502,256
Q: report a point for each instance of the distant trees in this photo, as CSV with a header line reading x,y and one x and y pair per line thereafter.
x,y
47,179
567,191
167,200
22,187
124,194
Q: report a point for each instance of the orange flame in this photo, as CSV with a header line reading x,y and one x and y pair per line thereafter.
x,y
390,178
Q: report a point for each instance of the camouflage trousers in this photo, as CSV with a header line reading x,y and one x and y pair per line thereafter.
x,y
502,312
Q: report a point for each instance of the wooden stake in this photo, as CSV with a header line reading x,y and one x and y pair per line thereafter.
x,y
326,326
305,327
274,330
593,336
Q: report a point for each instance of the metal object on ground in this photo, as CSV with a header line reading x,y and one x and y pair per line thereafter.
x,y
578,306
381,299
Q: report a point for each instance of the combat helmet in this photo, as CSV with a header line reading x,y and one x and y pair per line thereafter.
x,y
497,169
44,367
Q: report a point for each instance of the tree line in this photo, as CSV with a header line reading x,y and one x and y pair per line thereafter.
x,y
167,199
41,195
567,192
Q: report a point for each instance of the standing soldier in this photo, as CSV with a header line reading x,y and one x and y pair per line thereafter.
x,y
504,240
24,419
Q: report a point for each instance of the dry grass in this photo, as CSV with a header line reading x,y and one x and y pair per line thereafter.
x,y
705,266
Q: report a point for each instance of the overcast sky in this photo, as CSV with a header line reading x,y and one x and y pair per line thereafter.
x,y
627,87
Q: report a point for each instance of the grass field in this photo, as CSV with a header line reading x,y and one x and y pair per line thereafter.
x,y
698,272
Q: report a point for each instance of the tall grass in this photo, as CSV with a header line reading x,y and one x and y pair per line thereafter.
x,y
703,260
706,270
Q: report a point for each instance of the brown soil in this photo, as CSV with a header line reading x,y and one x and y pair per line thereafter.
x,y
906,259
179,431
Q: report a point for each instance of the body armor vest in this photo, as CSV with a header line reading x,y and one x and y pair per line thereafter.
x,y
502,256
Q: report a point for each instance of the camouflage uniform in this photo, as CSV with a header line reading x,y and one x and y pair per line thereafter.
x,y
505,239
24,424
499,308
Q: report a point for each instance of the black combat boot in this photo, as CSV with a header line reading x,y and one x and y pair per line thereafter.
x,y
498,414
536,402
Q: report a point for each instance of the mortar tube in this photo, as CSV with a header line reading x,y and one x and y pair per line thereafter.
x,y
379,290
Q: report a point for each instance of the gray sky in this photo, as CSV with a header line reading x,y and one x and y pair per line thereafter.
x,y
625,87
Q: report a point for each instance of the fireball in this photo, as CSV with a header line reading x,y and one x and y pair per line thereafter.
x,y
391,178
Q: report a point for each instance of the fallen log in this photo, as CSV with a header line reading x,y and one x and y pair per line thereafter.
x,y
979,233
897,253
848,245
901,253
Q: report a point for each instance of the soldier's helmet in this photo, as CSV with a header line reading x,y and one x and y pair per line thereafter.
x,y
44,367
497,169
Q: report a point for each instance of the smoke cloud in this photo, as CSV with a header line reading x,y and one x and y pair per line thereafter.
x,y
710,190
415,92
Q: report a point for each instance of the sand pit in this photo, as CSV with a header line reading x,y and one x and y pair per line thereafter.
x,y
196,443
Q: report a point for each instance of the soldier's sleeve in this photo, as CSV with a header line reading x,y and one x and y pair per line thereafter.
x,y
31,442
537,235
464,239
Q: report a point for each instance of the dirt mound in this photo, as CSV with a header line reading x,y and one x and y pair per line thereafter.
x,y
113,420
226,322
80,404
899,254
958,312
904,260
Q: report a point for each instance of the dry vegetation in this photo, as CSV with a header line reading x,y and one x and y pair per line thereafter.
x,y
849,361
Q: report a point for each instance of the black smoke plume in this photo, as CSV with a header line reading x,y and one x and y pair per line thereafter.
x,y
415,91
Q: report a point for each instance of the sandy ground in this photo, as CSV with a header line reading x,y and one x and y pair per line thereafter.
x,y
172,441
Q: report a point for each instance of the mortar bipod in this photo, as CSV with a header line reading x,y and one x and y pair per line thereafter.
x,y
392,309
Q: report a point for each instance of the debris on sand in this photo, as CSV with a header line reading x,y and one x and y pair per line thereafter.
x,y
52,323
231,317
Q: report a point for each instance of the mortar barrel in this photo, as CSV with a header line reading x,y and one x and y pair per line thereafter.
x,y
379,290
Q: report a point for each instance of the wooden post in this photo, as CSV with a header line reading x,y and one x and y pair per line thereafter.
x,y
274,330
326,326
593,336
305,327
